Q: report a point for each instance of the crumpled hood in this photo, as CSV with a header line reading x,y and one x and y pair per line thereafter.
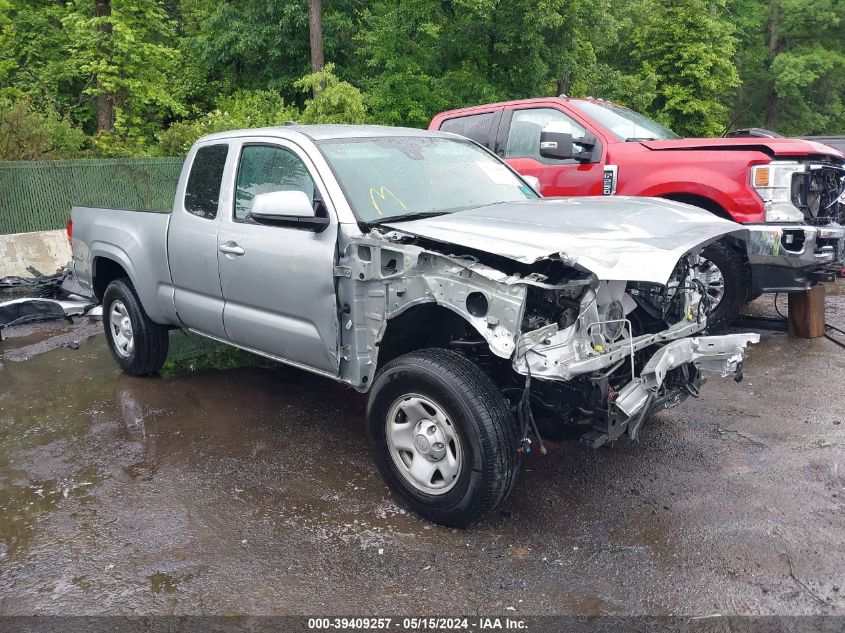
x,y
617,238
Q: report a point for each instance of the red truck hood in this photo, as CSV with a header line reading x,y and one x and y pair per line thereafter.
x,y
772,146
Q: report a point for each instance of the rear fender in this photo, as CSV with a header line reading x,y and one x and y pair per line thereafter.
x,y
156,298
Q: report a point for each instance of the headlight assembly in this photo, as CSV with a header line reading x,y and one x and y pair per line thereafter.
x,y
773,182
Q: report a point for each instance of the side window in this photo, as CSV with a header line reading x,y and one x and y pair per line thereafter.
x,y
524,133
474,126
202,192
267,168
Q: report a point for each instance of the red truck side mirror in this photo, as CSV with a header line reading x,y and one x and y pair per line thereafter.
x,y
556,140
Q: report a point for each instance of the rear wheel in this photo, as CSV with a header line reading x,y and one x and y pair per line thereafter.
x,y
442,436
138,344
723,272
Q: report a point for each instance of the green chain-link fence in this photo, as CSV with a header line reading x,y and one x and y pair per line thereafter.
x,y
38,195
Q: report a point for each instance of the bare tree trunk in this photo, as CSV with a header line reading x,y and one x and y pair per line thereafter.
x,y
105,100
775,47
315,31
563,85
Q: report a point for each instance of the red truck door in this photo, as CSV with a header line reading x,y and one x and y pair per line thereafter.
x,y
518,142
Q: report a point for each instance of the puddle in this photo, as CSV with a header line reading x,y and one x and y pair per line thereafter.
x,y
23,503
165,583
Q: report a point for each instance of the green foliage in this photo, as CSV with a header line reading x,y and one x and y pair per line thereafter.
x,y
178,69
34,60
334,101
30,134
422,56
244,109
236,45
688,47
792,62
127,54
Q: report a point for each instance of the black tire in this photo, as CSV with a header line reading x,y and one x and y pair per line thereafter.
x,y
150,340
735,274
479,414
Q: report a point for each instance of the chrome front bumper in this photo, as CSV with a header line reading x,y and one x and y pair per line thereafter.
x,y
795,245
782,256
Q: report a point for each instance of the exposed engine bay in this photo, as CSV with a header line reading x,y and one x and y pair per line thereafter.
x,y
820,193
576,356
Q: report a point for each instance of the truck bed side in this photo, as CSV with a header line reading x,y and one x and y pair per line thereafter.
x,y
112,243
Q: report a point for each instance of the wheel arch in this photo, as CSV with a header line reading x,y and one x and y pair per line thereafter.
x,y
700,201
422,326
104,270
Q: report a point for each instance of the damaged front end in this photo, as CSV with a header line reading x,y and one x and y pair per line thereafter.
x,y
576,356
629,352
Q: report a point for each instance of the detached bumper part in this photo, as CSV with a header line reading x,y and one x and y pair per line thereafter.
x,y
636,400
785,257
30,310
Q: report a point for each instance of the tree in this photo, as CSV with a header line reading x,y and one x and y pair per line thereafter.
x,y
125,49
244,109
687,47
105,97
29,134
792,62
34,60
315,33
334,101
420,56
232,45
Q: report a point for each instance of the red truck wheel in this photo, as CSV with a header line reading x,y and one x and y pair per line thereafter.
x,y
724,275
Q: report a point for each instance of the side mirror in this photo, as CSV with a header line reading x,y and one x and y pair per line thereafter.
x,y
533,182
286,208
556,140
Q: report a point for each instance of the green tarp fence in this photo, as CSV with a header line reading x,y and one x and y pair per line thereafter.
x,y
38,195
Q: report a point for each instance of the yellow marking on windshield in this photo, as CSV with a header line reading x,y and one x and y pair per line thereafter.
x,y
382,192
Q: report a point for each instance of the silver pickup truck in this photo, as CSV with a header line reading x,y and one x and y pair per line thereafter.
x,y
419,268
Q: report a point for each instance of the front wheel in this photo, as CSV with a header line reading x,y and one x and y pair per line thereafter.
x,y
725,278
138,344
442,436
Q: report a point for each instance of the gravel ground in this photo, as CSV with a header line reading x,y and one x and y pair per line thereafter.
x,y
250,491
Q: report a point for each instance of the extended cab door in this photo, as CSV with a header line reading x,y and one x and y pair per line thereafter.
x,y
519,144
192,239
278,281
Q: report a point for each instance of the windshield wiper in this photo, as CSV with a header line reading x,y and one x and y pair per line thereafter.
x,y
640,138
404,217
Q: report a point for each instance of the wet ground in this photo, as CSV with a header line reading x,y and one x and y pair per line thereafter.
x,y
250,491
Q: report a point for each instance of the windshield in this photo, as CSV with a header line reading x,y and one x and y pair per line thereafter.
x,y
392,176
626,124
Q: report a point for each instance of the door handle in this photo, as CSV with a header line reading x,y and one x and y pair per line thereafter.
x,y
230,248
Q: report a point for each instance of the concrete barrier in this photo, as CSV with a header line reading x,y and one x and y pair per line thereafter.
x,y
47,251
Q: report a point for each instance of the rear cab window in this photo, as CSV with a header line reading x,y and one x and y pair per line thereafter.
x,y
202,192
476,127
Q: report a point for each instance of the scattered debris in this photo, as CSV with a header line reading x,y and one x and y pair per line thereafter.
x,y
29,310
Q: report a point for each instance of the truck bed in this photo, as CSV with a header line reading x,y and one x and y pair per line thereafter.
x,y
135,239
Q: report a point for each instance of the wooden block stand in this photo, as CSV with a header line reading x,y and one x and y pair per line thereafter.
x,y
806,313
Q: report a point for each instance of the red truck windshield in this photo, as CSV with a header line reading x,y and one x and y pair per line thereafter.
x,y
625,124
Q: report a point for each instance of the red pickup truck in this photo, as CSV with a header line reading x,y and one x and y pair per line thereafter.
x,y
789,193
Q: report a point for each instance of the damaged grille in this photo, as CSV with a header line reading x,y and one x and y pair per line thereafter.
x,y
818,193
